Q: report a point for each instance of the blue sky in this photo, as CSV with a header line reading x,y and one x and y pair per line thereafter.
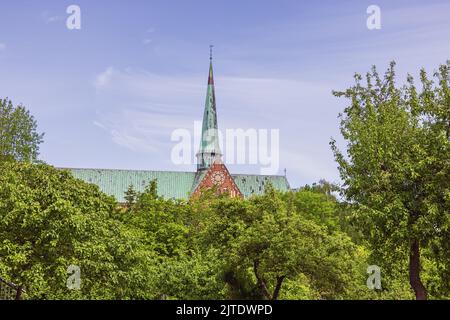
x,y
109,95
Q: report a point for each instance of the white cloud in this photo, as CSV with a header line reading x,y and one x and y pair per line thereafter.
x,y
129,140
264,98
48,18
307,165
140,110
148,40
54,19
100,125
103,78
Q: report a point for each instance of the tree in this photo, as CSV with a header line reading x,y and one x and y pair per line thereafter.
x,y
192,275
19,139
324,187
161,221
315,204
266,242
50,220
167,228
130,196
396,169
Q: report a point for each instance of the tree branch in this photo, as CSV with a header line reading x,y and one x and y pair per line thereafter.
x,y
261,283
276,292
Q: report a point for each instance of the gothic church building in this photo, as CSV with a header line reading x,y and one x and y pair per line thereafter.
x,y
211,171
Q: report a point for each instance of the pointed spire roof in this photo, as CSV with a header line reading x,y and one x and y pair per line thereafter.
x,y
209,144
210,76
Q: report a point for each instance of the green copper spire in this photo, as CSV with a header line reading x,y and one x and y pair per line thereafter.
x,y
209,143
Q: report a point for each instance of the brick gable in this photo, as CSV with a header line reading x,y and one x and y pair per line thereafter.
x,y
218,176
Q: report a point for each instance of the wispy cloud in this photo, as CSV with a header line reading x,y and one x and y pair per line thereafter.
x,y
148,37
275,69
49,18
103,78
2,46
308,164
140,110
318,42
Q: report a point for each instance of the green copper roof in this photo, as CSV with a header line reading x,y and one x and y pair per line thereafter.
x,y
210,139
255,184
198,178
171,184
209,143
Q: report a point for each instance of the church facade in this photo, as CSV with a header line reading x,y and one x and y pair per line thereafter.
x,y
211,171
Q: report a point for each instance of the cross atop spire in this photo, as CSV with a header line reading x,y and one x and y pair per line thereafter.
x,y
210,51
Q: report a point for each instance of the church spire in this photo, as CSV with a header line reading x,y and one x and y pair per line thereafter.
x,y
209,143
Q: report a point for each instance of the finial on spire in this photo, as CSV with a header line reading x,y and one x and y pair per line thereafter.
x,y
210,51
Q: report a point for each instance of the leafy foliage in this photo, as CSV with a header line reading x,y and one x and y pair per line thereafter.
x,y
396,170
19,139
304,244
266,241
50,220
209,247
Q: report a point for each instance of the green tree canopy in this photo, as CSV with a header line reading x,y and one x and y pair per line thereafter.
x,y
19,139
49,221
396,170
267,241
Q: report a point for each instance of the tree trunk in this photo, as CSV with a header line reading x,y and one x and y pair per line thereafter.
x,y
276,292
414,271
19,293
261,283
